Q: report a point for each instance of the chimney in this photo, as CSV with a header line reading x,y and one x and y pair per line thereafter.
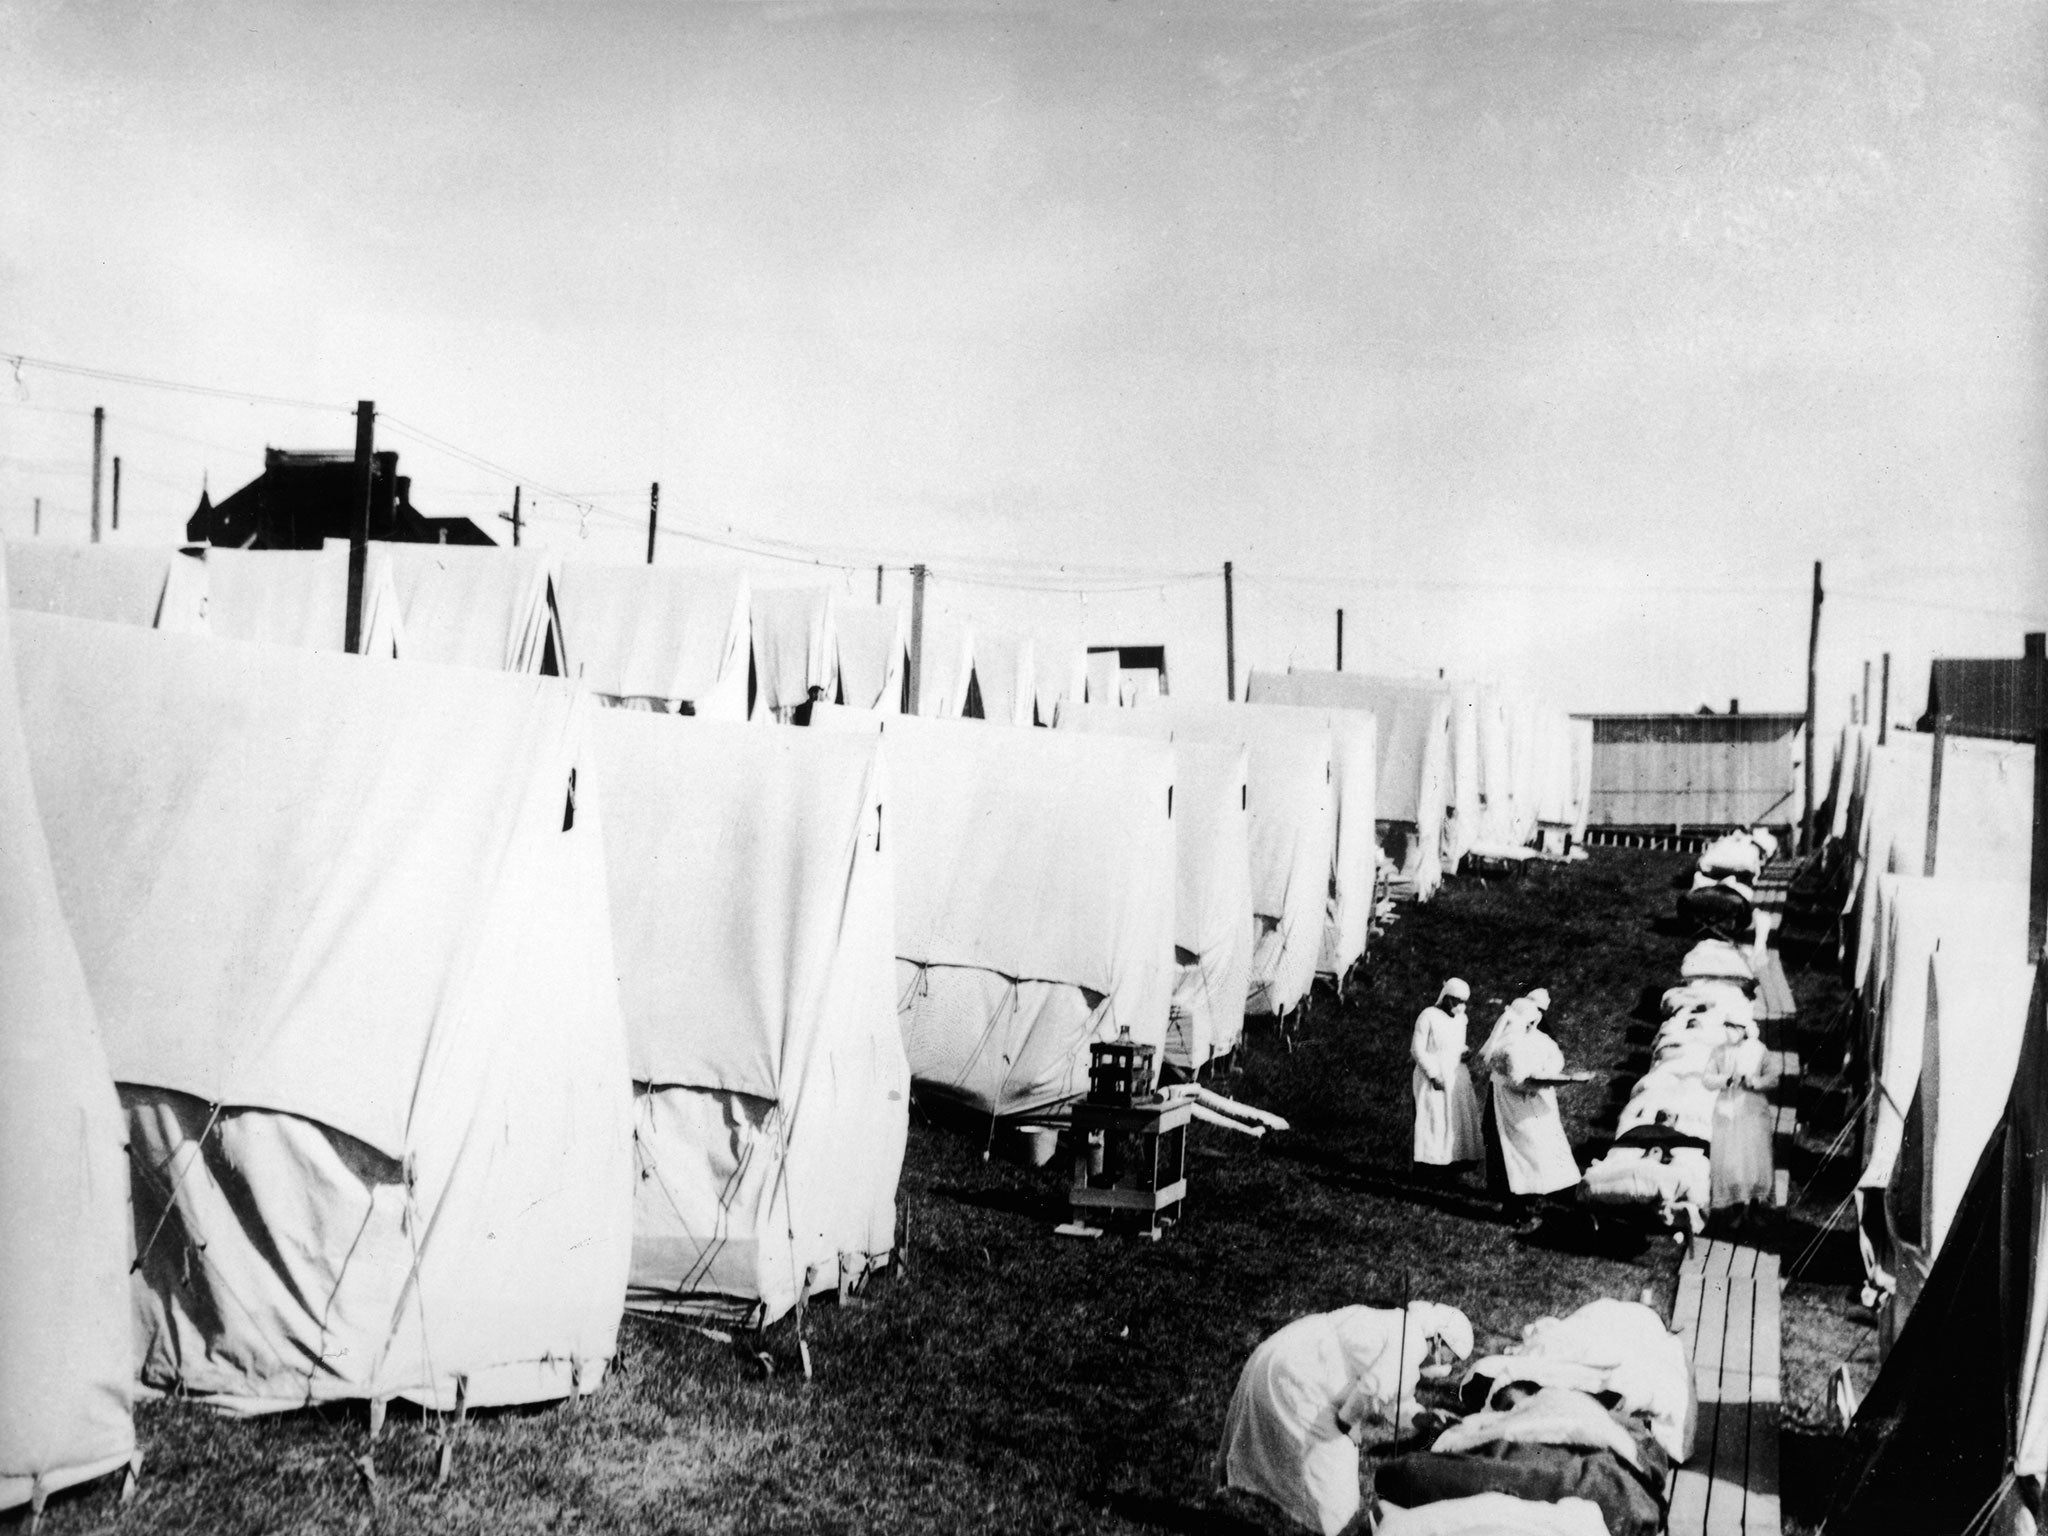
x,y
2031,646
1735,706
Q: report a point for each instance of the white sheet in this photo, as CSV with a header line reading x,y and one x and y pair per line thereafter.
x,y
65,1314
656,632
473,606
114,583
796,648
873,645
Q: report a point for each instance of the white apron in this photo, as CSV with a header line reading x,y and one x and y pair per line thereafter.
x,y
1446,1119
1533,1146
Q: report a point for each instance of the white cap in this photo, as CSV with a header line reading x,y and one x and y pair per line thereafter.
x,y
1540,996
1446,1324
1455,988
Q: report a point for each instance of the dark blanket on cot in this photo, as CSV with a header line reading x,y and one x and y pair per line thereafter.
x,y
1545,1473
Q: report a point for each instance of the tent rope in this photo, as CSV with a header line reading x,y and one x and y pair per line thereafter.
x,y
198,1146
1798,1265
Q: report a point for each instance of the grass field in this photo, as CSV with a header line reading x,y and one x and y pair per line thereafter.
x,y
1012,1380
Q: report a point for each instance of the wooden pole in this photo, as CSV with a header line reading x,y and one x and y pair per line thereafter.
x,y
1340,639
99,433
1812,658
878,586
515,515
653,516
1866,691
1934,792
1884,700
1229,636
39,517
359,521
916,636
2037,906
117,493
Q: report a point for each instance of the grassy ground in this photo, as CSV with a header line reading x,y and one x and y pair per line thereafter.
x,y
1012,1380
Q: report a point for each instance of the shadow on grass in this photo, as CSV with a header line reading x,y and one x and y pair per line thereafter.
x,y
1035,1204
1334,1172
1191,1519
1810,1463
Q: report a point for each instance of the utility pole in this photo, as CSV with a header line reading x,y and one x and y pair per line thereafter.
x,y
1812,658
39,517
1884,700
653,516
1229,636
878,586
1866,691
1934,793
117,493
359,521
99,432
1340,639
512,517
916,636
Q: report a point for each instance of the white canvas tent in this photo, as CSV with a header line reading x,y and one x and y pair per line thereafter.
x,y
796,648
753,907
874,654
1976,1013
1412,785
299,598
1496,773
158,588
1913,916
1581,736
946,668
658,637
1059,677
66,1359
1984,829
473,605
1005,669
1293,792
1213,925
1034,901
345,927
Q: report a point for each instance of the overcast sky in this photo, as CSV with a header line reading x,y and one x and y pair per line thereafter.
x,y
1551,340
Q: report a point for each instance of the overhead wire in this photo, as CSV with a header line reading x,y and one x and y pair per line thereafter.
x,y
20,360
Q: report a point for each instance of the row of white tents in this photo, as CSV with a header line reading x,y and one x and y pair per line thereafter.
x,y
443,1012
1951,1047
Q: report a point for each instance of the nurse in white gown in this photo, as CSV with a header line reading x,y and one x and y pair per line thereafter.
x,y
1535,1152
1447,1128
1308,1394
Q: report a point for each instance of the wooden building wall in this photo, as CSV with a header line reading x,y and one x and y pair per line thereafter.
x,y
1695,770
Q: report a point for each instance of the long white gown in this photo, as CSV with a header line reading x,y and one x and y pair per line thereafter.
x,y
1281,1439
1447,1126
1534,1148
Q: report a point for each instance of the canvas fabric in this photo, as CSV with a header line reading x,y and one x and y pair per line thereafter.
x,y
66,1357
874,644
1349,877
473,606
1413,730
249,842
1059,677
796,648
1290,786
1005,666
298,598
946,667
1912,915
753,904
1035,857
659,634
115,583
1976,1015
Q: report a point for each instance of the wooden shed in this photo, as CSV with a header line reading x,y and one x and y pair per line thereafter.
x,y
1695,772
